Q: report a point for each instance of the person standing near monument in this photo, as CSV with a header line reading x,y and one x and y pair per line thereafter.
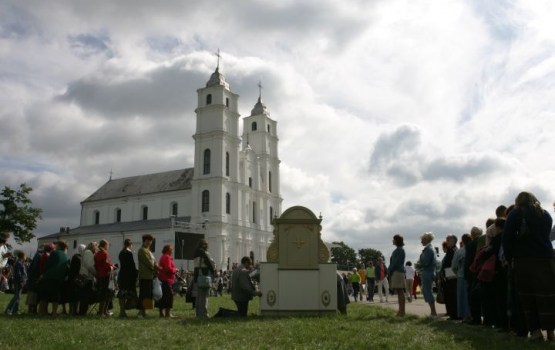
x,y
205,266
242,289
4,251
397,271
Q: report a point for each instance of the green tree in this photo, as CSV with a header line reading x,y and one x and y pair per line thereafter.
x,y
16,214
369,254
344,256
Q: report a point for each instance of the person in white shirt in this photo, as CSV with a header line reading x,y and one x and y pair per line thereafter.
x,y
4,251
409,279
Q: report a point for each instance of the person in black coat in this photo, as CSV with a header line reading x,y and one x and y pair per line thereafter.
x,y
127,278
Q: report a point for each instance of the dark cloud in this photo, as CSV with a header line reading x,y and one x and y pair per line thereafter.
x,y
463,168
164,92
88,44
400,156
16,22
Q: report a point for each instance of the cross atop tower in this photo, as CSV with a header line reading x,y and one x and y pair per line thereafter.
x,y
217,54
259,90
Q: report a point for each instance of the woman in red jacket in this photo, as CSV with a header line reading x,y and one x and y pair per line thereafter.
x,y
166,275
104,267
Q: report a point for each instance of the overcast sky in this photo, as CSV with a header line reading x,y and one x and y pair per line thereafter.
x,y
393,116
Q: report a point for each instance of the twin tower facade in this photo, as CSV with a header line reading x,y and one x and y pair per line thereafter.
x,y
229,197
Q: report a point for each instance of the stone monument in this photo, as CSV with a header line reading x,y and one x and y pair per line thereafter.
x,y
298,279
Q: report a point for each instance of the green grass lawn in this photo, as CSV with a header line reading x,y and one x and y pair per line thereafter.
x,y
364,327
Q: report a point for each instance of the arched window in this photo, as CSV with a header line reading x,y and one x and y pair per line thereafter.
x,y
253,126
227,102
96,217
208,99
206,167
270,181
268,128
145,212
118,215
205,201
226,163
174,209
271,214
227,203
250,182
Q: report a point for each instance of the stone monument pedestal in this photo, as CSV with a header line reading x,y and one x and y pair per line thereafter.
x,y
297,279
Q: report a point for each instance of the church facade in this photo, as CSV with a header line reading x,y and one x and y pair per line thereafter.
x,y
229,197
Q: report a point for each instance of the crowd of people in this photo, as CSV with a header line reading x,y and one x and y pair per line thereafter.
x,y
503,279
88,281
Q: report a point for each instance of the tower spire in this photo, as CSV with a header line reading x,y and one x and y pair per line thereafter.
x,y
217,54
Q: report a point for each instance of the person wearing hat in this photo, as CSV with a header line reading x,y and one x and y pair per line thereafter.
x,y
55,272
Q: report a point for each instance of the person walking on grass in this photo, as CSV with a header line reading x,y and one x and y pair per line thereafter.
x,y
397,272
19,280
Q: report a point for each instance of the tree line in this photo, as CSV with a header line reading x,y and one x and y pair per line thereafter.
x,y
346,258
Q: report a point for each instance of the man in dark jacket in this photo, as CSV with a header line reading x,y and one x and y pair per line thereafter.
x,y
242,289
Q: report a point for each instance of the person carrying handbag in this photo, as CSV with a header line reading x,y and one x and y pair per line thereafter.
x,y
204,267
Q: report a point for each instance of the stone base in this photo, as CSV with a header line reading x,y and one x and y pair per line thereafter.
x,y
298,292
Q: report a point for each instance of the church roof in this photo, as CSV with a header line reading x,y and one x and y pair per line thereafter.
x,y
217,78
259,108
156,224
174,180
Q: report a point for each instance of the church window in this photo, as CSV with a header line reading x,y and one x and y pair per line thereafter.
x,y
174,209
250,182
270,181
206,167
74,244
118,215
254,212
253,126
227,203
96,217
226,163
271,214
208,99
227,102
205,201
145,212
268,128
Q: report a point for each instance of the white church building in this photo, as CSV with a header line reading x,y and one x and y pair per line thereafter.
x,y
229,197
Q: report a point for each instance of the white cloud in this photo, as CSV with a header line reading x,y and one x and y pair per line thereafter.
x,y
393,116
